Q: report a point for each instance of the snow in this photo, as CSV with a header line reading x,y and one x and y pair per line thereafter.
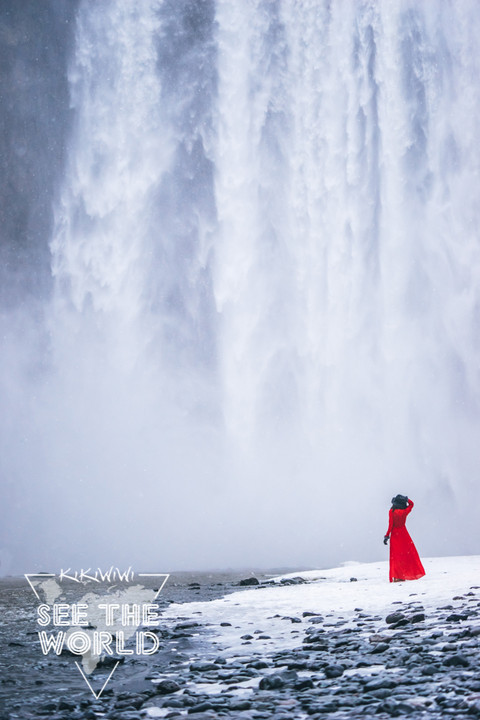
x,y
265,612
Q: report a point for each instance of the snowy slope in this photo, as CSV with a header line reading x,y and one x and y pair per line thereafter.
x,y
329,593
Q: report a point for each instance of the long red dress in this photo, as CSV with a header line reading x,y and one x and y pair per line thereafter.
x,y
405,563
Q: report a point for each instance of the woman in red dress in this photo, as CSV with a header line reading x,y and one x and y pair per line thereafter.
x,y
405,563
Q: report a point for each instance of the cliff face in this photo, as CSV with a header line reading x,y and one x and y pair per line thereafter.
x,y
35,44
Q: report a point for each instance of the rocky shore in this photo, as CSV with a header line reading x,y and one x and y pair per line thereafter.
x,y
413,659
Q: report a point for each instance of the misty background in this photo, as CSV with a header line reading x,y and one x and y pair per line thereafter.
x,y
239,281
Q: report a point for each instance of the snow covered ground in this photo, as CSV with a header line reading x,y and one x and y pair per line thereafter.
x,y
265,612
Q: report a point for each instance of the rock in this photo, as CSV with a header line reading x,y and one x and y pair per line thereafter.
x,y
456,661
271,682
418,617
379,648
293,581
240,705
381,694
430,669
278,680
50,705
65,704
353,579
328,706
246,637
393,707
201,707
249,581
190,625
377,638
379,683
333,671
259,664
165,687
304,684
203,666
394,617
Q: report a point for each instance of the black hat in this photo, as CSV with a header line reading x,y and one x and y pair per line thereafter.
x,y
400,502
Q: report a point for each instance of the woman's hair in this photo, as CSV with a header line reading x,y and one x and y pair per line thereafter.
x,y
400,502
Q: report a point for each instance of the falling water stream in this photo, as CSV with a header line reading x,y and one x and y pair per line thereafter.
x,y
265,311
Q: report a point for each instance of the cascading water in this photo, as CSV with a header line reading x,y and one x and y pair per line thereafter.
x,y
265,317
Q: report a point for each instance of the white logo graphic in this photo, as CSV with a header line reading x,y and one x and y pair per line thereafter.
x,y
112,622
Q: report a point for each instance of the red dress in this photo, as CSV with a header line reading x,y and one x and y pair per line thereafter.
x,y
405,563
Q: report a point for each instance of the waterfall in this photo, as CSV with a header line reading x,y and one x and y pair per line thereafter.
x,y
264,320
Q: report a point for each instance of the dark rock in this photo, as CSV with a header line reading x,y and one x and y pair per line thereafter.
x,y
353,579
259,664
246,637
430,669
203,666
49,706
65,704
249,581
333,671
379,648
394,617
177,702
240,705
108,661
293,581
186,626
379,683
304,684
278,680
393,707
328,706
271,682
201,707
165,687
456,661
418,617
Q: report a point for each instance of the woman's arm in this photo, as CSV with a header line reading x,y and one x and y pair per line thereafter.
x,y
390,523
410,506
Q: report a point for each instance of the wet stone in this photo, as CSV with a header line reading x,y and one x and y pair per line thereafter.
x,y
379,648
456,661
333,671
379,683
240,705
394,617
165,687
65,704
203,666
